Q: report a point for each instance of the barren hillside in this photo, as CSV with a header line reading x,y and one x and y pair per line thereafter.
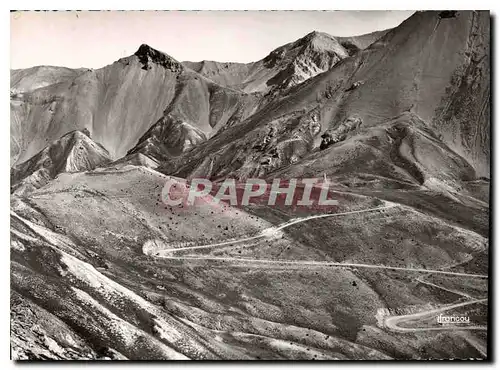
x,y
118,103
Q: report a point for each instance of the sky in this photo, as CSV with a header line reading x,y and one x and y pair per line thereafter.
x,y
95,39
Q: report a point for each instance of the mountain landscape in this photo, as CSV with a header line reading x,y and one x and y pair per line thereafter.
x,y
397,121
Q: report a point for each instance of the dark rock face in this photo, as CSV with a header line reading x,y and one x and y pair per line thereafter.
x,y
149,55
86,132
274,58
448,14
350,47
333,136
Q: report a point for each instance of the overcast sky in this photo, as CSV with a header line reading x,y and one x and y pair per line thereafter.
x,y
95,39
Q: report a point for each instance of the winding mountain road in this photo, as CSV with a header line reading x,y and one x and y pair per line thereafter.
x,y
269,232
164,253
393,322
323,264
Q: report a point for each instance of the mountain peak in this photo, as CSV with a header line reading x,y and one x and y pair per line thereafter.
x,y
317,35
302,59
314,34
322,41
149,55
83,134
73,152
145,49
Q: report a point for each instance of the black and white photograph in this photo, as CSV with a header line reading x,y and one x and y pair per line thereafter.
x,y
250,185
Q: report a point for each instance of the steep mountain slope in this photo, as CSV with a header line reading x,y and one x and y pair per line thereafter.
x,y
168,138
22,80
118,104
137,159
224,73
74,152
102,268
437,68
421,69
354,44
48,102
284,67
